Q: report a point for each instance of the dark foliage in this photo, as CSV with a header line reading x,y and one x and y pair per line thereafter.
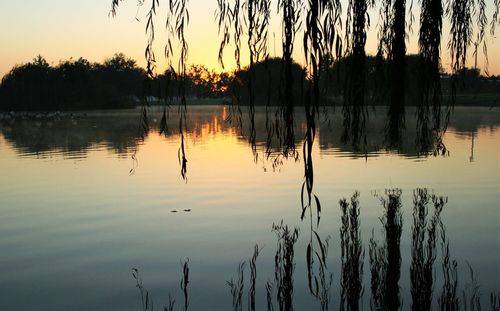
x,y
267,75
72,85
116,83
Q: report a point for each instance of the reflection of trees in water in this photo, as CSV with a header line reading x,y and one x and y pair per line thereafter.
x,y
323,38
284,261
351,281
427,231
73,135
385,259
423,251
118,131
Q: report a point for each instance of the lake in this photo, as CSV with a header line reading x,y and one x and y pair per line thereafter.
x,y
84,199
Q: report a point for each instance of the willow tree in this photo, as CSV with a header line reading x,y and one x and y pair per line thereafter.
x,y
429,43
354,108
291,11
255,15
392,36
323,41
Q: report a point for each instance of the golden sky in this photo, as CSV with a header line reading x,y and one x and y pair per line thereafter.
x,y
61,29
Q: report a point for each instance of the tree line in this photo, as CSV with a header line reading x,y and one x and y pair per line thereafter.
x,y
79,84
119,82
468,80
71,85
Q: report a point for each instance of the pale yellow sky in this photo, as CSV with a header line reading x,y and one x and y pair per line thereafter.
x,y
60,29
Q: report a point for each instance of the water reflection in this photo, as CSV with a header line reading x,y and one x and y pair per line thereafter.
x,y
73,135
424,237
352,257
385,259
427,288
233,206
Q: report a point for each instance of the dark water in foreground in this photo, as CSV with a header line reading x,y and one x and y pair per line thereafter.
x,y
73,223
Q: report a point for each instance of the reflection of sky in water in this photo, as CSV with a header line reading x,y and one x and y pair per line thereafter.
x,y
73,223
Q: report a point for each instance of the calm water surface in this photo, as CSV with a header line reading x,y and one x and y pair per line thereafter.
x,y
73,222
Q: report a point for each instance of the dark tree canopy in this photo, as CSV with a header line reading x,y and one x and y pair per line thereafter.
x,y
72,85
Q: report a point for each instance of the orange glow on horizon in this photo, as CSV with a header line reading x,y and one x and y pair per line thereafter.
x,y
38,30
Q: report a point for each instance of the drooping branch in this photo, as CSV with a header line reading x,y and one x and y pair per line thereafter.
x,y
149,53
223,19
114,7
313,39
291,11
429,101
354,98
179,13
324,42
176,22
460,14
332,30
494,19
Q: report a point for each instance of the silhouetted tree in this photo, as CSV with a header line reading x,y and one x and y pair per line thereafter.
x,y
267,76
72,84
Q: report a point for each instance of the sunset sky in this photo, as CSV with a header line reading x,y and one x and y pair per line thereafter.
x,y
61,29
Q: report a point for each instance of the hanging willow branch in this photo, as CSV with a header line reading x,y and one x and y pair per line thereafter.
x,y
318,45
494,19
392,46
176,23
323,43
238,31
354,110
114,7
223,20
149,53
431,24
312,51
314,45
179,14
332,30
291,11
229,24
429,42
460,14
257,21
255,14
